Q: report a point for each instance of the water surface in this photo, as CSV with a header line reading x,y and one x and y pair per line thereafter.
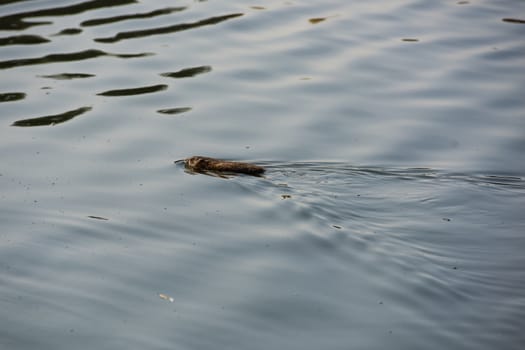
x,y
391,213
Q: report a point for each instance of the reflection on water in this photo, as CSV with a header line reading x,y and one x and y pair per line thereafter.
x,y
109,20
16,21
188,72
23,40
12,96
135,34
67,76
69,31
64,57
52,119
390,214
135,91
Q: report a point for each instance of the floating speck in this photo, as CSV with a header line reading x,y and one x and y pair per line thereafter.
x,y
317,20
166,297
514,20
97,217
177,110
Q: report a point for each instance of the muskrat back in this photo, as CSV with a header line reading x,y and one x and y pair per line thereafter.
x,y
201,164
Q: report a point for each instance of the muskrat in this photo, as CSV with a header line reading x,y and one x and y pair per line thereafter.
x,y
200,164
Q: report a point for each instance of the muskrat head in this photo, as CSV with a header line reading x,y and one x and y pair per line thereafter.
x,y
194,162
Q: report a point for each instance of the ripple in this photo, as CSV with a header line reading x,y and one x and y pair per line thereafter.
x,y
311,172
135,91
65,57
67,76
167,30
23,40
16,21
114,19
12,96
52,119
69,31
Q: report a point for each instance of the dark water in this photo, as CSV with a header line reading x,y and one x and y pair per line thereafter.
x,y
392,213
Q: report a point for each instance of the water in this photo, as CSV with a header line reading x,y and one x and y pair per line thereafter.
x,y
392,210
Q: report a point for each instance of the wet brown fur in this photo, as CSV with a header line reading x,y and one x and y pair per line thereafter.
x,y
200,164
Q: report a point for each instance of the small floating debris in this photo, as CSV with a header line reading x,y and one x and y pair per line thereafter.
x,y
410,40
212,166
285,196
258,7
166,297
174,110
514,20
337,227
97,217
446,219
317,20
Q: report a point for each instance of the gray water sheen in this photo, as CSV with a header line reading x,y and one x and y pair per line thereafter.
x,y
391,214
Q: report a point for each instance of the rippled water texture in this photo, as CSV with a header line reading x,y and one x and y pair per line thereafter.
x,y
391,214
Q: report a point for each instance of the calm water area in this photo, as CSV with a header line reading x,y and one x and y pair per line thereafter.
x,y
391,214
